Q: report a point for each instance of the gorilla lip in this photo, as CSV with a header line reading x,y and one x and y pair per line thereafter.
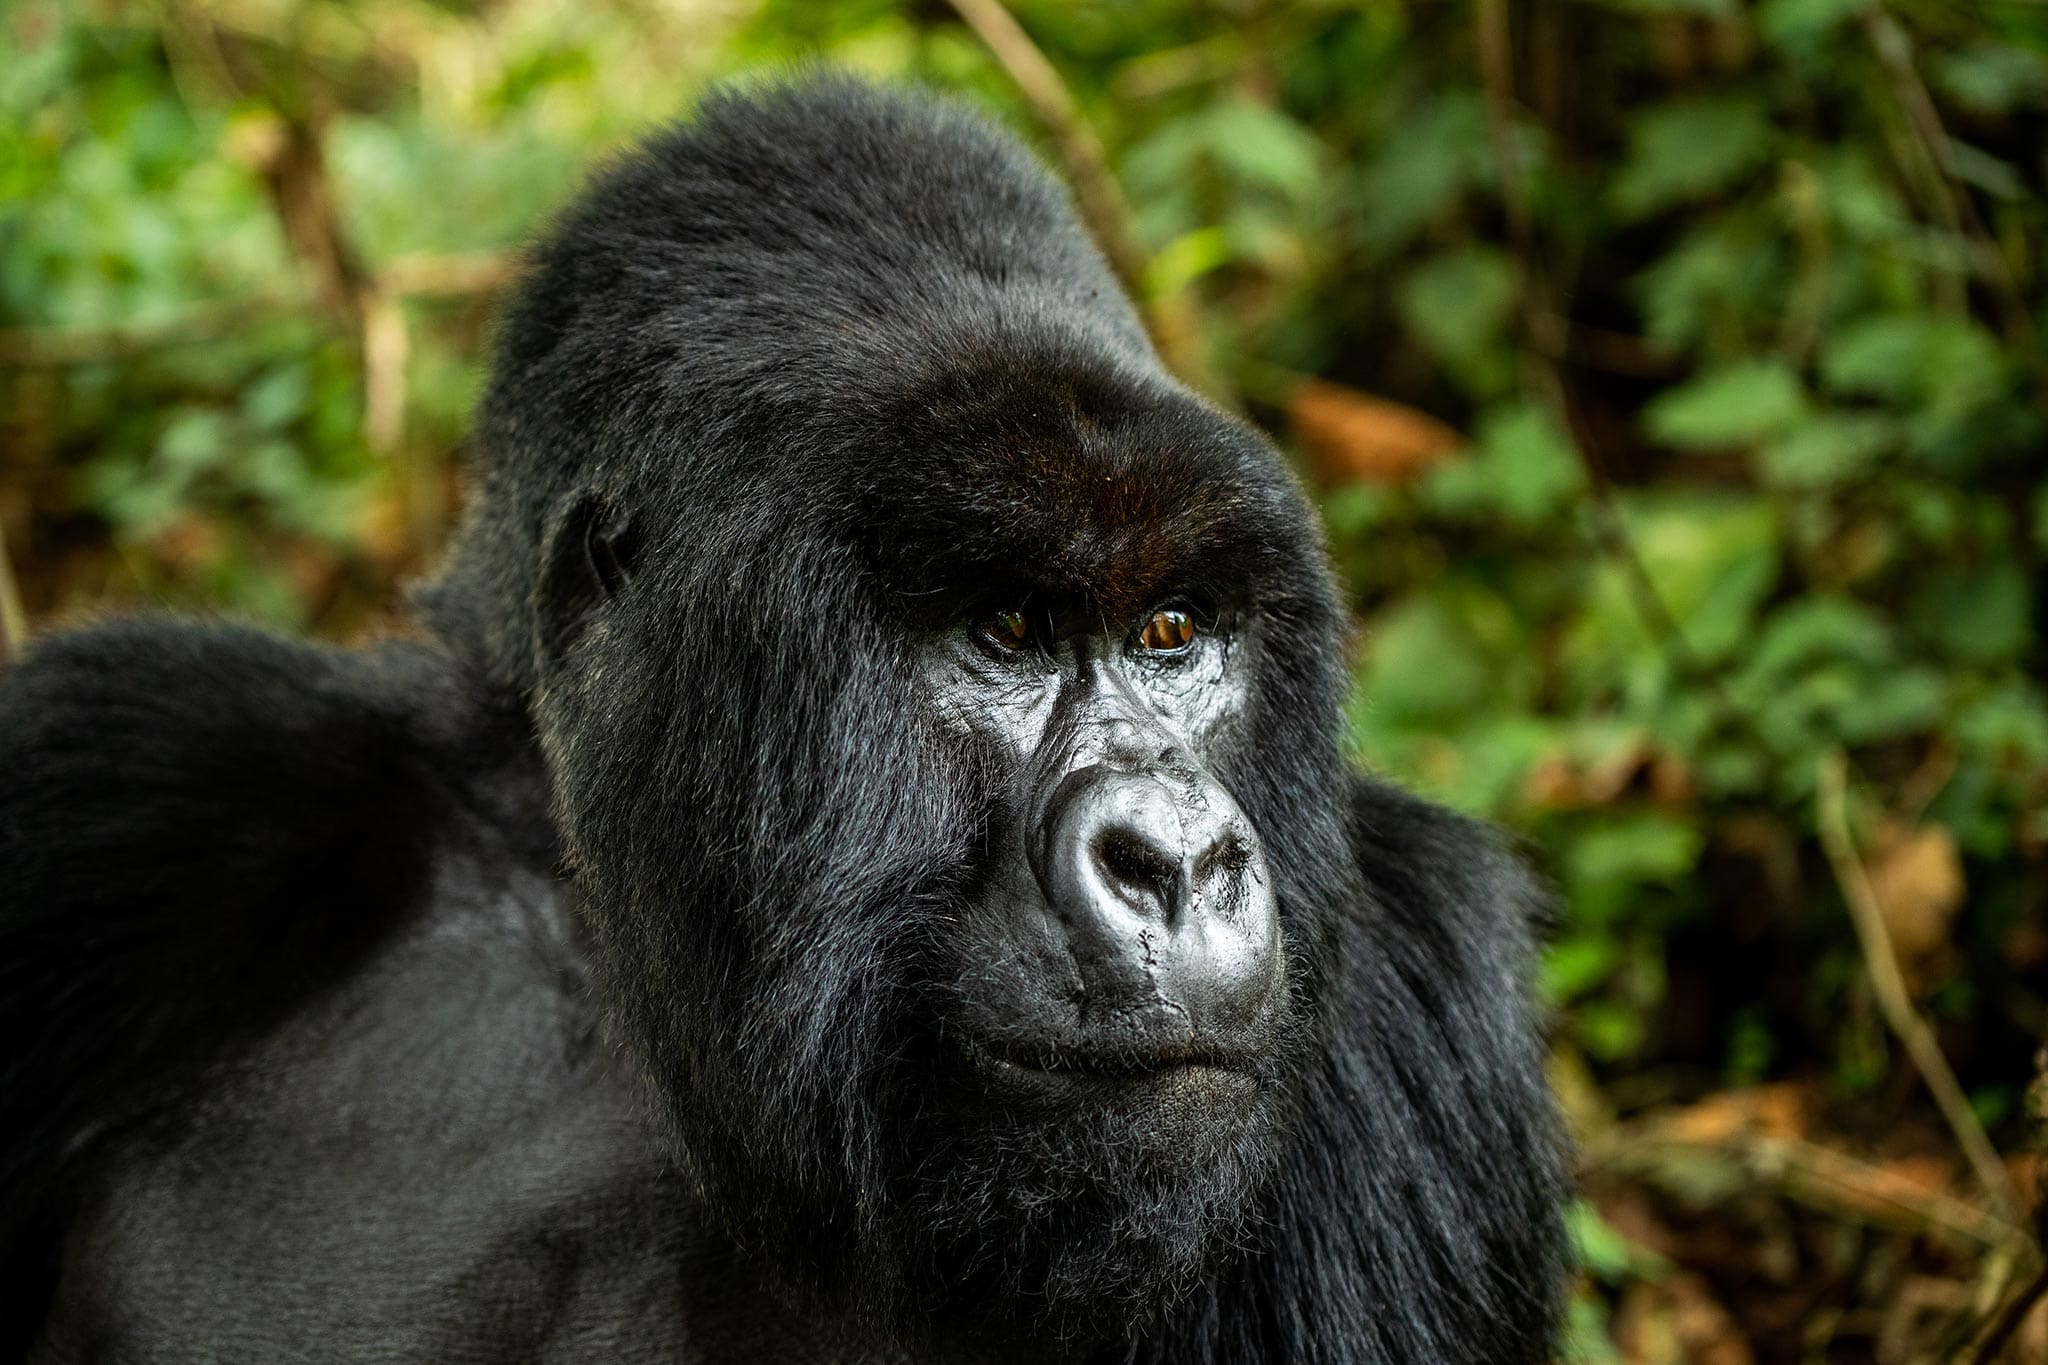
x,y
1099,1063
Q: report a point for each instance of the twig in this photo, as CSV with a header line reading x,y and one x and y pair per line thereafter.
x,y
1100,198
1831,808
1808,1173
1993,1342
13,619
1894,47
435,274
60,347
1102,201
421,275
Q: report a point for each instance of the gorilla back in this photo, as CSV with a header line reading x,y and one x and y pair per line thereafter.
x,y
860,866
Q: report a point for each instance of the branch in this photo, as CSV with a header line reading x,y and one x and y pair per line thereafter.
x,y
1100,198
419,275
59,347
1808,1173
1992,1344
13,619
1831,802
1894,47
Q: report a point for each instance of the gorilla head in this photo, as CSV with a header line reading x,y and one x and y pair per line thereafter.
x,y
941,705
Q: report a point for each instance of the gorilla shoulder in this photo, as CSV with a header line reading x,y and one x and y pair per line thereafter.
x,y
215,844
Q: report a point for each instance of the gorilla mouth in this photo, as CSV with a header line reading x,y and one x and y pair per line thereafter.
x,y
1139,1062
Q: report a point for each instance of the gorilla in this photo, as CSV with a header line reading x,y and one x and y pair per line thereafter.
x,y
858,865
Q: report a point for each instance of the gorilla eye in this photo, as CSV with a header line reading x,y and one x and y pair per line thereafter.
x,y
1007,628
1167,632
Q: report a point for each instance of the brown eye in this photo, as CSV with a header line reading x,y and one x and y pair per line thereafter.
x,y
1167,632
1009,628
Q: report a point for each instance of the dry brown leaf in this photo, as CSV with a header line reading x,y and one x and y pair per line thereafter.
x,y
1671,781
1881,1190
1917,877
1678,1321
312,569
1777,1110
1927,1172
1558,781
188,544
383,532
1353,437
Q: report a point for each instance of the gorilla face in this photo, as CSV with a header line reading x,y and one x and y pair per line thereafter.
x,y
1114,994
1113,1023
1128,932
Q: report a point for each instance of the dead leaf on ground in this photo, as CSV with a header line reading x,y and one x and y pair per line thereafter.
x,y
1917,877
1353,437
1678,1321
1778,1110
1565,781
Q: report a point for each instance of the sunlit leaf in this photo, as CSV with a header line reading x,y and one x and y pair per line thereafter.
x,y
1734,405
1457,303
1685,150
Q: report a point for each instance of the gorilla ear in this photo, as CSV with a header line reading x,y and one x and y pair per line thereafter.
x,y
589,557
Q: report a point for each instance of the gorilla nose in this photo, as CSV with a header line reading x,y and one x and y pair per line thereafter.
x,y
1161,888
1158,854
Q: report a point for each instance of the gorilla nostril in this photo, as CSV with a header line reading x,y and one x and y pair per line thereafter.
x,y
1230,854
1128,857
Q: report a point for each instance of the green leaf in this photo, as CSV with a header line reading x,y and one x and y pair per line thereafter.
x,y
1457,304
1442,151
1710,560
1993,175
1736,404
2008,722
1914,358
194,439
1705,277
1535,471
1828,450
1186,259
1816,629
1993,78
1611,860
1982,615
1682,151
1256,144
1577,964
1602,1250
1799,26
1890,705
1424,663
278,399
1611,1032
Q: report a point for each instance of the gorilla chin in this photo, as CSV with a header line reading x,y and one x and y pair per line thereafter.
x,y
1084,1216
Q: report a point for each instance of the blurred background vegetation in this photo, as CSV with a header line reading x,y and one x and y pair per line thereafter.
x,y
1669,372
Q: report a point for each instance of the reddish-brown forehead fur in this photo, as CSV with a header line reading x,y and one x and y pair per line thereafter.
x,y
1083,487
1117,530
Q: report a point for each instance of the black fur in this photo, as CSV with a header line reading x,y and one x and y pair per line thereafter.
x,y
305,955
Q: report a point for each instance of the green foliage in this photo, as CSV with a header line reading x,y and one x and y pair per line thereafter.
x,y
1731,405
1689,149
1729,267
